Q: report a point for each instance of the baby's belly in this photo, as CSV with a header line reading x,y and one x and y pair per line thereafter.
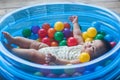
x,y
64,52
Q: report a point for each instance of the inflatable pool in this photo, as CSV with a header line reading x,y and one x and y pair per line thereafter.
x,y
106,66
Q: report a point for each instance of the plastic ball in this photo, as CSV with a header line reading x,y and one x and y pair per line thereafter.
x,y
46,26
35,29
63,43
72,41
69,71
91,32
51,32
66,25
88,39
64,75
108,37
58,36
96,24
107,62
80,69
98,68
42,33
84,57
46,40
59,26
34,36
26,32
102,32
112,44
57,71
67,32
54,43
84,35
45,71
51,75
76,74
99,36
86,72
38,74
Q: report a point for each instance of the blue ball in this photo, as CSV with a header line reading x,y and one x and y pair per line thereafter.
x,y
96,24
35,29
34,36
108,38
98,68
86,72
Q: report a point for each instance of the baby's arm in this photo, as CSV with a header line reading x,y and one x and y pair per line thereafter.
x,y
51,58
76,29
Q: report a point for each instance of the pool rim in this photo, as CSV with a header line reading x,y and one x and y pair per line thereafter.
x,y
22,61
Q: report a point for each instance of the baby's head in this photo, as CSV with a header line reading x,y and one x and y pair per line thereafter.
x,y
96,48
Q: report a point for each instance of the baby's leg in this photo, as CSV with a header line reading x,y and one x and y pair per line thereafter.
x,y
23,42
30,55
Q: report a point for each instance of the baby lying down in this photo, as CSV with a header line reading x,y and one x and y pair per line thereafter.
x,y
41,53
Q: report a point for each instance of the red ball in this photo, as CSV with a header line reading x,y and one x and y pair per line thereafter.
x,y
66,25
46,26
46,40
42,33
112,44
72,41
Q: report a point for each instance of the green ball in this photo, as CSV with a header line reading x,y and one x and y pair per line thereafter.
x,y
99,36
38,74
58,36
63,43
26,32
102,32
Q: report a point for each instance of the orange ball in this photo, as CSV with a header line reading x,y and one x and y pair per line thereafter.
x,y
54,43
51,32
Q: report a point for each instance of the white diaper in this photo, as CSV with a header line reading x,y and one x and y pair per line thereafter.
x,y
63,52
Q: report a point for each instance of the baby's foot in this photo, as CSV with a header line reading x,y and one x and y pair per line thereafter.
x,y
50,58
8,37
8,46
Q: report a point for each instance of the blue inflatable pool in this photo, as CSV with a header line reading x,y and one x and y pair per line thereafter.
x,y
105,67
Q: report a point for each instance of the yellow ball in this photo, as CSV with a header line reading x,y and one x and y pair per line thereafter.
x,y
84,57
84,35
91,32
59,26
88,39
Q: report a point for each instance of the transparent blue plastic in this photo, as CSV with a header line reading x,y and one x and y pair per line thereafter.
x,y
105,67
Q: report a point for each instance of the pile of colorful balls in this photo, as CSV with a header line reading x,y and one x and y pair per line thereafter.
x,y
62,35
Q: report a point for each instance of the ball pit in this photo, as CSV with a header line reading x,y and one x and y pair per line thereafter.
x,y
104,67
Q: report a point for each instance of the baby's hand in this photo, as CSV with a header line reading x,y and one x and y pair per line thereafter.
x,y
74,19
50,58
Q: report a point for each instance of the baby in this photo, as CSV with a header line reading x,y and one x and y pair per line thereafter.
x,y
41,53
